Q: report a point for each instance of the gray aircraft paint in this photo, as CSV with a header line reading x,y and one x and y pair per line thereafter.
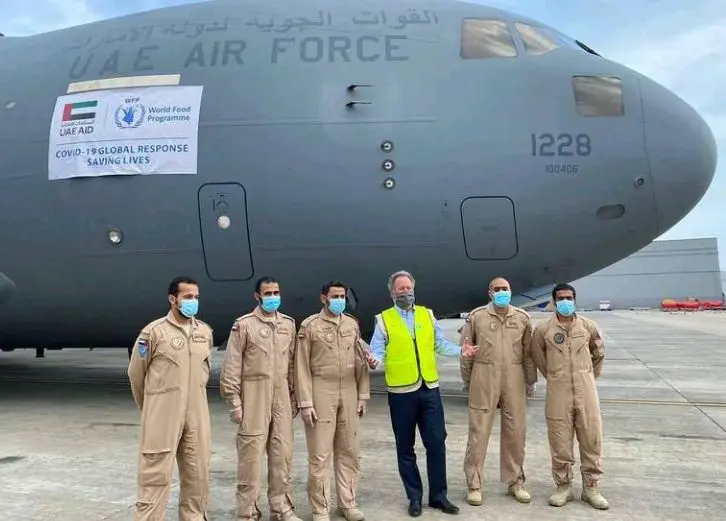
x,y
493,170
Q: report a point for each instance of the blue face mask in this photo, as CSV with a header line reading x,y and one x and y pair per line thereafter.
x,y
336,305
270,303
565,307
502,298
189,307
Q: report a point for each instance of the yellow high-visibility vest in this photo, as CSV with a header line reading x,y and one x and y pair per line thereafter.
x,y
407,360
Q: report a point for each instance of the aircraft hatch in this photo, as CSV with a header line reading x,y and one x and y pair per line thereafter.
x,y
489,227
225,233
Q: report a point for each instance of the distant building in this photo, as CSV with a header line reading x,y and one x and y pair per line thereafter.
x,y
676,269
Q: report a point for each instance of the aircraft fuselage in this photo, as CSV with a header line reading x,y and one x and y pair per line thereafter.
x,y
492,169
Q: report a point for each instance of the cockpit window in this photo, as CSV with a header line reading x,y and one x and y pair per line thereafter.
x,y
536,40
598,96
486,39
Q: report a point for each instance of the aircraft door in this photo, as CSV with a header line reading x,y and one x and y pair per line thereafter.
x,y
490,228
225,234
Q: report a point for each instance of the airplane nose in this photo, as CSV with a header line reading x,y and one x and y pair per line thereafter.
x,y
681,150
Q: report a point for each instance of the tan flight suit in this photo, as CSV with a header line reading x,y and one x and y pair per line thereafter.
x,y
169,370
570,356
257,375
497,376
331,376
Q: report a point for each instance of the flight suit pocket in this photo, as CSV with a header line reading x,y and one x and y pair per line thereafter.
x,y
485,353
284,340
513,336
327,335
256,359
256,406
582,358
348,353
159,430
156,468
578,341
558,358
284,337
557,402
201,354
480,386
163,374
517,350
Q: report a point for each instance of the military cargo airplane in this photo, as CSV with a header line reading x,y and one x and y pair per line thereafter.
x,y
333,141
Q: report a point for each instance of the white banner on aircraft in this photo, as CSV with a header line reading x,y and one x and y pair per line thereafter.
x,y
135,131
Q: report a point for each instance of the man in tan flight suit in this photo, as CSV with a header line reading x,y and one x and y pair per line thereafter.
x,y
256,382
502,373
168,371
332,384
569,352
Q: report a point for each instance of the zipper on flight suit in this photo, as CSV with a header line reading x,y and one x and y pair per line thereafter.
x,y
273,361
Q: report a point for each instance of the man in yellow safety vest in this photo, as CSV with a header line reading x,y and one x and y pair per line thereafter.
x,y
406,339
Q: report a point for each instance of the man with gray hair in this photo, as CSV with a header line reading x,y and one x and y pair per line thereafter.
x,y
406,339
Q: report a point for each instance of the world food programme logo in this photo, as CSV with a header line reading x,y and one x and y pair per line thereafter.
x,y
130,116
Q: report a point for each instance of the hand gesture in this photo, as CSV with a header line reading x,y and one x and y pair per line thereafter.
x,y
370,360
235,415
469,350
531,390
361,407
293,405
309,416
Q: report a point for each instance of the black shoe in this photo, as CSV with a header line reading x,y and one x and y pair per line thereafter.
x,y
414,509
446,506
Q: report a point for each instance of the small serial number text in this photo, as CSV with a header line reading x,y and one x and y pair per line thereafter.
x,y
562,169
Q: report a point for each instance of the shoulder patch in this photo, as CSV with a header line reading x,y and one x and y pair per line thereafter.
x,y
143,346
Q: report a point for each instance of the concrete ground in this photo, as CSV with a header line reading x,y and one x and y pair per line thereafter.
x,y
69,434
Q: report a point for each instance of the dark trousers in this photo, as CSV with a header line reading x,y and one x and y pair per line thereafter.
x,y
423,408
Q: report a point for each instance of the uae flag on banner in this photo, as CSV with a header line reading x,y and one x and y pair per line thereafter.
x,y
80,110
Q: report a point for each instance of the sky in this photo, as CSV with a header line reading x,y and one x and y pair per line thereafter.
x,y
681,44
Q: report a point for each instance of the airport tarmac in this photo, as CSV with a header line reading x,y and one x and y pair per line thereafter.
x,y
69,434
